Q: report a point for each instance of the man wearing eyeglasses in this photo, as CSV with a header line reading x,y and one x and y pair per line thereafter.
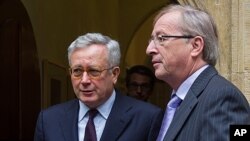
x,y
100,112
140,82
184,51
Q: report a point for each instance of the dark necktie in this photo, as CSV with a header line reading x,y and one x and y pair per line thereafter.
x,y
90,133
168,116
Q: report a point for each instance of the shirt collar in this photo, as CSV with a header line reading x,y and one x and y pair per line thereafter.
x,y
182,91
103,109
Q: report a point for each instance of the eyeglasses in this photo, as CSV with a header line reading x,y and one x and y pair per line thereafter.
x,y
77,72
144,87
159,39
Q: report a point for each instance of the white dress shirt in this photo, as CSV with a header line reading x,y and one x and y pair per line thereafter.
x,y
99,120
182,91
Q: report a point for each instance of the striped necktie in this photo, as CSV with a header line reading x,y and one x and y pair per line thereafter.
x,y
168,116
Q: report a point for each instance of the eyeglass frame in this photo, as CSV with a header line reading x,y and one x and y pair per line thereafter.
x,y
144,87
88,72
159,39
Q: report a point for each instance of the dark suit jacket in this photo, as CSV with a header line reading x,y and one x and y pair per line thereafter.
x,y
211,105
129,120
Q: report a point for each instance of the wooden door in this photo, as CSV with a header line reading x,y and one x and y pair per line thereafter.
x,y
19,74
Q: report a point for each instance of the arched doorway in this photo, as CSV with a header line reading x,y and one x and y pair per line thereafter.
x,y
19,73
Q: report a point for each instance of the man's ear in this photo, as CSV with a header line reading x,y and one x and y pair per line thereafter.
x,y
115,74
198,45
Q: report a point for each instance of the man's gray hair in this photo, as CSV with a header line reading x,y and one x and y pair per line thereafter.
x,y
88,39
196,22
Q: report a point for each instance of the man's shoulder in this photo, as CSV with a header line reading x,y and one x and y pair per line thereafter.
x,y
61,107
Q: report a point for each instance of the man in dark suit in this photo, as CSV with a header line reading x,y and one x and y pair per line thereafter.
x,y
184,50
94,68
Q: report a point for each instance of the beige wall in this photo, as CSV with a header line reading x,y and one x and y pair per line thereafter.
x,y
241,45
56,23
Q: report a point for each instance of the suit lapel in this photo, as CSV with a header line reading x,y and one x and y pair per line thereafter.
x,y
189,103
117,120
69,121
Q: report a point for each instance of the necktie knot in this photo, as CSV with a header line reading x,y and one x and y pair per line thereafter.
x,y
92,113
174,102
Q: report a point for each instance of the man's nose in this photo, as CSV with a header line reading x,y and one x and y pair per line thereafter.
x,y
139,89
85,78
150,48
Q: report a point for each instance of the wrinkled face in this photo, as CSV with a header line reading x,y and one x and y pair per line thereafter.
x,y
170,57
139,87
96,86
